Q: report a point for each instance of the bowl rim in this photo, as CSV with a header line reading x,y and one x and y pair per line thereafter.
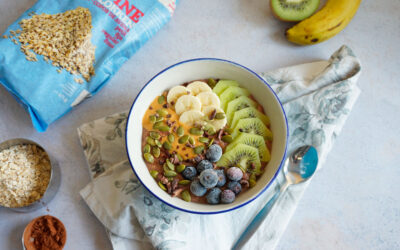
x,y
220,60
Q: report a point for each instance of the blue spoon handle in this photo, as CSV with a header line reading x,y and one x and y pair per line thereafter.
x,y
258,219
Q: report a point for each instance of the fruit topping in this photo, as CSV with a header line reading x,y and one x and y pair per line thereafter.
x,y
214,153
252,140
198,87
197,189
203,165
221,177
227,196
235,187
189,172
252,126
231,93
208,178
213,197
242,156
234,174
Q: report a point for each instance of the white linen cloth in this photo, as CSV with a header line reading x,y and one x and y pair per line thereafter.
x,y
317,98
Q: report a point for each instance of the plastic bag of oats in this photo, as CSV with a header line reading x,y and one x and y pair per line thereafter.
x,y
60,52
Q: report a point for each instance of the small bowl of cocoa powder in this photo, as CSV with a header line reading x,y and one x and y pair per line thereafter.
x,y
44,232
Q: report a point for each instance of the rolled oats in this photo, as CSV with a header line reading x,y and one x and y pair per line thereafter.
x,y
63,38
25,172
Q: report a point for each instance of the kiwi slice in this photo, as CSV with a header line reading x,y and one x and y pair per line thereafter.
x,y
224,84
249,112
293,10
255,141
237,104
231,93
252,126
242,156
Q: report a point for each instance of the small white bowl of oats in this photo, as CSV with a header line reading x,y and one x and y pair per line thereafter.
x,y
29,176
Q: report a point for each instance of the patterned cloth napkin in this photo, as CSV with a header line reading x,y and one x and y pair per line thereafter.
x,y
317,98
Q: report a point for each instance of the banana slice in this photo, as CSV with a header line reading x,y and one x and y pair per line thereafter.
x,y
197,87
217,123
192,117
209,99
186,103
176,92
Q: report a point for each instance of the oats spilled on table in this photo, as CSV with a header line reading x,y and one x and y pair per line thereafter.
x,y
64,39
25,172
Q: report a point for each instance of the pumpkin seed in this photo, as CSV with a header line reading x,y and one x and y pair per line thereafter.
x,y
191,140
204,139
156,152
184,182
198,150
180,168
160,119
211,82
186,196
165,167
210,129
211,142
196,131
170,178
179,157
162,186
171,138
227,138
167,145
154,173
180,131
162,112
170,173
252,180
183,139
161,99
219,116
152,119
150,141
158,143
148,157
147,148
170,165
163,128
157,124
229,130
155,135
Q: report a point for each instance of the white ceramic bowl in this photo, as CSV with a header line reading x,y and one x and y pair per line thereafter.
x,y
204,68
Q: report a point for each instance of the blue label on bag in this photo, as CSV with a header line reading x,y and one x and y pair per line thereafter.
x,y
60,52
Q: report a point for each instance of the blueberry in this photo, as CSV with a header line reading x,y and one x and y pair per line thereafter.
x,y
209,178
234,174
197,189
221,177
214,153
227,196
213,197
234,186
204,164
189,173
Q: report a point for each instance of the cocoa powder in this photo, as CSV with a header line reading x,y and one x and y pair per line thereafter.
x,y
45,233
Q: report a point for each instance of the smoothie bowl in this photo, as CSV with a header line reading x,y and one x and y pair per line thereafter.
x,y
206,136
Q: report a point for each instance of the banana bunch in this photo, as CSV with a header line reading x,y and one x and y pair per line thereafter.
x,y
195,103
324,24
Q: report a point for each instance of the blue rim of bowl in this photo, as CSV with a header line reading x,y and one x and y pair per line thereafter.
x,y
240,205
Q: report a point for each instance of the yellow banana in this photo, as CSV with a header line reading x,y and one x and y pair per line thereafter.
x,y
324,24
